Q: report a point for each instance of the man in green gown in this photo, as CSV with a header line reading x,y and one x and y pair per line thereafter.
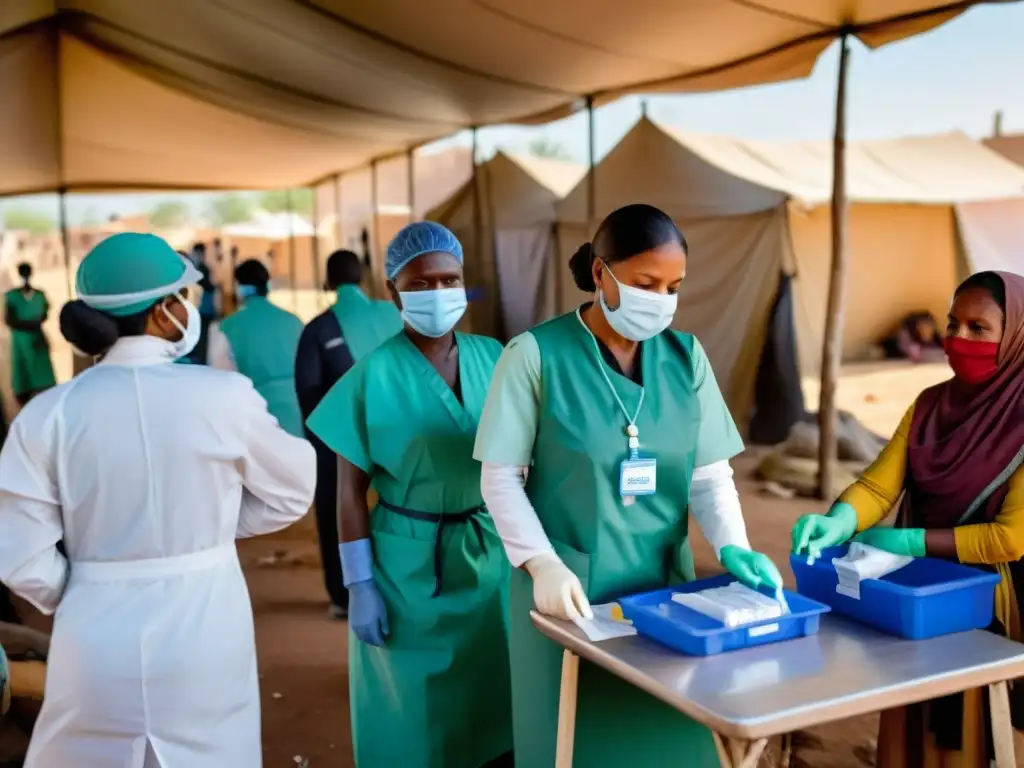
x,y
26,311
260,341
427,579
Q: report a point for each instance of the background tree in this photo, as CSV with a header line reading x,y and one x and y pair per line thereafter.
x,y
232,208
28,219
169,213
542,146
276,200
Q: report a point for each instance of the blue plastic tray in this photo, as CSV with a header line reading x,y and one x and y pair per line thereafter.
x,y
927,598
656,616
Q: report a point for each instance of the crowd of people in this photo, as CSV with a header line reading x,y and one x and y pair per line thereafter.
x,y
458,484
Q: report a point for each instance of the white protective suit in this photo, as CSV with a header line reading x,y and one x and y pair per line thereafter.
x,y
148,471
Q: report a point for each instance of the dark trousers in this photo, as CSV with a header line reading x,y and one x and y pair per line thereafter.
x,y
326,501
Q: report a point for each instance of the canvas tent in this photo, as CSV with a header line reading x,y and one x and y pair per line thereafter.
x,y
516,258
753,211
115,94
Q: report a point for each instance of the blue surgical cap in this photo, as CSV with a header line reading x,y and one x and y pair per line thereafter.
x,y
129,272
416,239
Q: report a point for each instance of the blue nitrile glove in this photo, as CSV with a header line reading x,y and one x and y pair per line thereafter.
x,y
898,541
813,533
751,568
367,614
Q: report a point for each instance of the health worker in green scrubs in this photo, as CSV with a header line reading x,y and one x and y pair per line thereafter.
x,y
426,573
601,428
260,341
26,311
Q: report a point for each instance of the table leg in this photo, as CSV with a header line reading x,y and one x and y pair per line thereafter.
x,y
567,710
786,750
1002,728
738,753
753,754
723,754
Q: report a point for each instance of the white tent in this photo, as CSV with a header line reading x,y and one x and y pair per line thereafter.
x,y
754,210
516,257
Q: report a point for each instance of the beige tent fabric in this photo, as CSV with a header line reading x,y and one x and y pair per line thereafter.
x,y
163,94
992,234
517,197
903,258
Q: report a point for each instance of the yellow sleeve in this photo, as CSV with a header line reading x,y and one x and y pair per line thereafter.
x,y
1002,540
876,491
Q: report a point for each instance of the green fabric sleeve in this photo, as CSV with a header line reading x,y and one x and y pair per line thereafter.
x,y
340,419
717,436
508,425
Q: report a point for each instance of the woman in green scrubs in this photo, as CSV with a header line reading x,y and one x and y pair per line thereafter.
x,y
426,573
601,428
31,368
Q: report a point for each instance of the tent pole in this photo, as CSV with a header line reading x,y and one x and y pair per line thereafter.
x,y
478,225
65,238
337,212
316,247
291,251
832,349
410,173
591,181
374,223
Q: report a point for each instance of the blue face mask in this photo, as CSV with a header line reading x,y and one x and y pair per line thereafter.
x,y
247,291
433,313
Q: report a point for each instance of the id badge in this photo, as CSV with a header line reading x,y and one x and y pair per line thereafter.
x,y
638,477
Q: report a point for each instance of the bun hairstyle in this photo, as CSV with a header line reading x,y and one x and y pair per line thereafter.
x,y
625,233
94,332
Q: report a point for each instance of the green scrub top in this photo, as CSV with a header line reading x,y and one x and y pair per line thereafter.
x,y
550,408
437,695
31,367
264,343
365,323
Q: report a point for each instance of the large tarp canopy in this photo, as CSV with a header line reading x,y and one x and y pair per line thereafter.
x,y
124,94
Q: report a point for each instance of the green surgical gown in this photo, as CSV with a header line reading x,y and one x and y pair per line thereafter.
x,y
365,323
550,408
31,368
437,694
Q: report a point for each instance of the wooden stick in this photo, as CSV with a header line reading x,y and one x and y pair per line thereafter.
x,y
832,347
786,750
1002,728
567,710
754,753
723,755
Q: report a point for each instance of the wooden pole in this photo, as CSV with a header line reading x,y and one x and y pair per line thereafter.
x,y
291,252
591,163
410,172
374,228
65,237
476,255
339,243
832,348
316,248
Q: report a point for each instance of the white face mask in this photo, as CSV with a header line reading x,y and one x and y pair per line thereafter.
x,y
190,333
641,315
433,313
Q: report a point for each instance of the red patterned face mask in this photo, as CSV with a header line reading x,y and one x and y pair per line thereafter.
x,y
973,362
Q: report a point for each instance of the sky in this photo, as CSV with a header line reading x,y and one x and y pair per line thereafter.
x,y
953,78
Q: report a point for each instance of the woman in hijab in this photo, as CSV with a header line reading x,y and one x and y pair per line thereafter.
x,y
956,461
425,572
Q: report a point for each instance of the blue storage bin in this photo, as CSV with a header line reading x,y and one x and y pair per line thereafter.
x,y
927,598
655,615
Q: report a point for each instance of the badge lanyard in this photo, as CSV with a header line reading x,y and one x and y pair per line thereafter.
x,y
632,432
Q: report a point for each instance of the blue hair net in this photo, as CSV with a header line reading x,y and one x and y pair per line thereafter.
x,y
416,239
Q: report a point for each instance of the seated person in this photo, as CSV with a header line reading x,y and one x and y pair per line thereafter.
x,y
916,339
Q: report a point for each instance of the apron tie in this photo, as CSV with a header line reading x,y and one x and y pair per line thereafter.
x,y
441,521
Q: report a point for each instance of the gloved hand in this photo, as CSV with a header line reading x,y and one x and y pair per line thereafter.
x,y
813,533
751,568
367,614
557,591
898,541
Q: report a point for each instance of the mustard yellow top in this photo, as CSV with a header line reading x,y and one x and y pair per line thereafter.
x,y
876,492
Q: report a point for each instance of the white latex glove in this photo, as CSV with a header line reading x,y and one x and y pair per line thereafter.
x,y
557,591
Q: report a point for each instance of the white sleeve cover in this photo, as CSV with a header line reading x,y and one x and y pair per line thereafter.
x,y
504,492
715,504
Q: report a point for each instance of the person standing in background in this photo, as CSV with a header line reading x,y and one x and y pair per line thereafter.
x,y
261,341
332,342
207,303
26,311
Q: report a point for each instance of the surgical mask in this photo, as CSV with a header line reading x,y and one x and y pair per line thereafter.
x,y
973,362
433,313
190,333
641,315
247,291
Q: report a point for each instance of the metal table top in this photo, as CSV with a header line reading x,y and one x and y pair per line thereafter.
x,y
845,670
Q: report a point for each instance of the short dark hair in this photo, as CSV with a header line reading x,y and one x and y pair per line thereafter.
x,y
625,233
253,272
25,269
344,267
